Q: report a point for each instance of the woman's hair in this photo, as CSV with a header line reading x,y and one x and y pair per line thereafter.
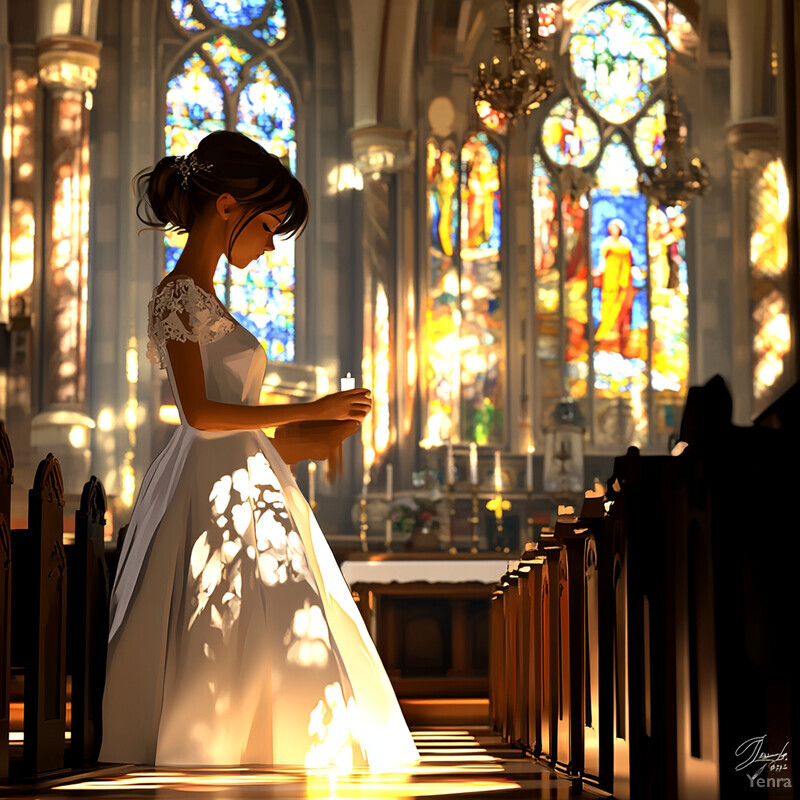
x,y
173,192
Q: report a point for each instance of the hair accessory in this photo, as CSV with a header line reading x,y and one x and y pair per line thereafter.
x,y
190,165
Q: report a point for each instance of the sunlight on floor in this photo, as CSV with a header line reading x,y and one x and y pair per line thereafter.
x,y
452,763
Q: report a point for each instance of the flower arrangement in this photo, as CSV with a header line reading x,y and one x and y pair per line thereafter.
x,y
421,510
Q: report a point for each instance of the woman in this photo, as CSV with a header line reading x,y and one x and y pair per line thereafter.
x,y
234,638
614,274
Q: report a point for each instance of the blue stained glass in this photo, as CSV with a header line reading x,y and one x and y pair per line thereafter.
x,y
617,51
183,11
235,13
228,57
195,106
275,28
266,114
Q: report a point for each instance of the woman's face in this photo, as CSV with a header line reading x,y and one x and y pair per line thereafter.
x,y
614,230
256,238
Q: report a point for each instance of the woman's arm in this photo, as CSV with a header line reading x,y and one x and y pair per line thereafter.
x,y
208,415
311,440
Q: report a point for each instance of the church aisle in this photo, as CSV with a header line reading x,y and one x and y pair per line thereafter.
x,y
460,763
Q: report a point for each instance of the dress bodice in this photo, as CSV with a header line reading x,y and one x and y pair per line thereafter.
x,y
234,363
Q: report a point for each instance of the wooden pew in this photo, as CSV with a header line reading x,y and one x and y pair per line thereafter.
x,y
524,648
571,642
548,647
6,479
87,633
39,620
598,635
510,614
534,654
497,667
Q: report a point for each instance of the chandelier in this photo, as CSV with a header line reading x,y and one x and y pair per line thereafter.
x,y
521,82
677,179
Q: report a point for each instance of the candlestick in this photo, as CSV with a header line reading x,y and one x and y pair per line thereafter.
x,y
451,492
363,524
529,505
529,468
450,465
389,476
347,383
498,475
364,484
473,463
474,519
312,480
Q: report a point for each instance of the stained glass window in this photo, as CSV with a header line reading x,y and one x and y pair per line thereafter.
x,y
617,51
649,134
771,326
442,312
570,136
183,11
611,272
464,314
228,70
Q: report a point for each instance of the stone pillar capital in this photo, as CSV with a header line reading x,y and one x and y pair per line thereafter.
x,y
379,149
69,62
751,137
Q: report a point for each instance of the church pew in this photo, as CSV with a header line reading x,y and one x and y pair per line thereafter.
x,y
740,530
39,621
6,479
534,656
523,665
497,702
87,623
598,731
571,636
649,485
510,613
548,646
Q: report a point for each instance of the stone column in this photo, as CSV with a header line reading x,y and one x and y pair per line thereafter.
x,y
68,68
762,357
384,156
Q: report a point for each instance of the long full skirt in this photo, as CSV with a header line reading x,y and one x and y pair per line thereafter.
x,y
234,638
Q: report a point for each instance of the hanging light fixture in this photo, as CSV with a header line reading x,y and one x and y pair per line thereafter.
x,y
677,179
520,82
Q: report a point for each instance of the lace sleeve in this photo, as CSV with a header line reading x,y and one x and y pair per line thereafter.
x,y
182,312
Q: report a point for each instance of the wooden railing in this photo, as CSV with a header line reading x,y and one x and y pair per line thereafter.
x,y
638,645
53,623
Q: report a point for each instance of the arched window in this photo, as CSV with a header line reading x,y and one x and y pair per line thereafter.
x,y
611,284
464,382
228,81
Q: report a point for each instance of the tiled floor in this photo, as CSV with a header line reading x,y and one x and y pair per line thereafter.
x,y
455,763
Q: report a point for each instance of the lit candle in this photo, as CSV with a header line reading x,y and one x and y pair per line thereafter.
x,y
498,475
529,468
450,469
312,475
347,383
473,463
388,531
389,476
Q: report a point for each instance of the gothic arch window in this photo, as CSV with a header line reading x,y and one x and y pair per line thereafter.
x,y
464,382
611,283
227,79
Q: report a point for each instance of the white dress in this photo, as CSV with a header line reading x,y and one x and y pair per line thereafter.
x,y
234,638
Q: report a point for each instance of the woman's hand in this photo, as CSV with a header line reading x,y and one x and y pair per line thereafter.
x,y
354,404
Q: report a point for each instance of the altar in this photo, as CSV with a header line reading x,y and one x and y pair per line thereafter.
x,y
428,614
